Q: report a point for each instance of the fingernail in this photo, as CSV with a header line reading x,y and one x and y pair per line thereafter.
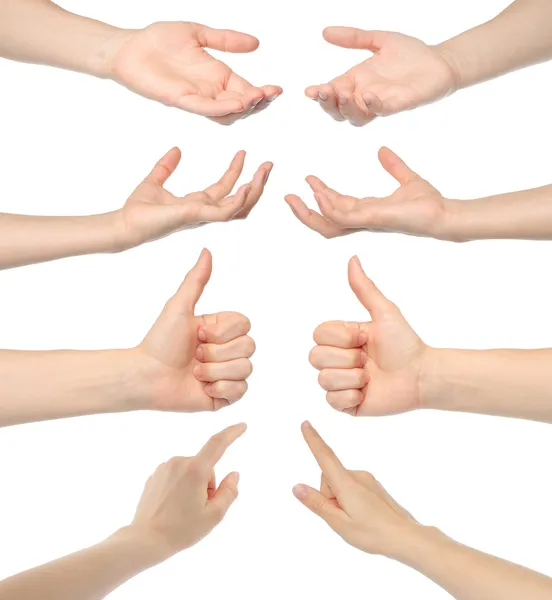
x,y
209,389
255,102
362,338
363,356
236,478
197,371
322,96
307,424
267,175
202,335
200,354
272,98
342,100
300,491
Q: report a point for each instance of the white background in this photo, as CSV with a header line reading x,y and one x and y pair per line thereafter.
x,y
70,144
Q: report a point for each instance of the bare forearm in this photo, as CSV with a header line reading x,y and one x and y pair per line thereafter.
x,y
517,215
513,383
39,31
39,386
517,38
90,574
446,562
27,239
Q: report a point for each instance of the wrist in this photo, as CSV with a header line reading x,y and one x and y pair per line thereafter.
x,y
418,545
430,384
103,58
151,548
451,225
452,59
137,376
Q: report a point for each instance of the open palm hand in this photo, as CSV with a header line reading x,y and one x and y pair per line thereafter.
x,y
415,208
167,62
402,74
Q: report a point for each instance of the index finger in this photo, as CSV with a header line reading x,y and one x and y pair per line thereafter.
x,y
311,218
215,448
341,334
330,465
226,183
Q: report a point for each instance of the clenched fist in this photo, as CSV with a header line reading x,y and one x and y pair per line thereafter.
x,y
370,368
196,363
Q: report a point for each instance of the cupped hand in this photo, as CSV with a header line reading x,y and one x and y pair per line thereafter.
x,y
181,502
196,363
353,503
152,212
371,368
415,208
403,73
167,62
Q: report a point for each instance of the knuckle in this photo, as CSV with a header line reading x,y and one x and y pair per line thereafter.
x,y
240,390
324,379
249,346
314,356
248,367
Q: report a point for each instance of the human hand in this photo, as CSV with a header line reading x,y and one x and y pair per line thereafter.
x,y
181,502
373,368
152,212
416,207
167,62
402,74
353,503
196,363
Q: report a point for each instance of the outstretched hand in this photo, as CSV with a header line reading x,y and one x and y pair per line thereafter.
x,y
402,74
415,208
152,212
196,363
168,62
371,368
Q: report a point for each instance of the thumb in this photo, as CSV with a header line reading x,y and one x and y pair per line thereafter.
x,y
165,167
195,281
226,40
365,290
317,503
225,495
396,167
351,37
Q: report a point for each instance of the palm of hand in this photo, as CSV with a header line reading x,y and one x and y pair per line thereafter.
x,y
151,212
164,62
416,208
403,74
394,356
178,389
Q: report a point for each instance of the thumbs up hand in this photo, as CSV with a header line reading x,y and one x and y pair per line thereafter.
x,y
197,363
372,368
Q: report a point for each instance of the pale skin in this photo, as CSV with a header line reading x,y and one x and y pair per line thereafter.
x,y
359,509
404,73
417,208
186,363
150,213
166,62
382,367
180,505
